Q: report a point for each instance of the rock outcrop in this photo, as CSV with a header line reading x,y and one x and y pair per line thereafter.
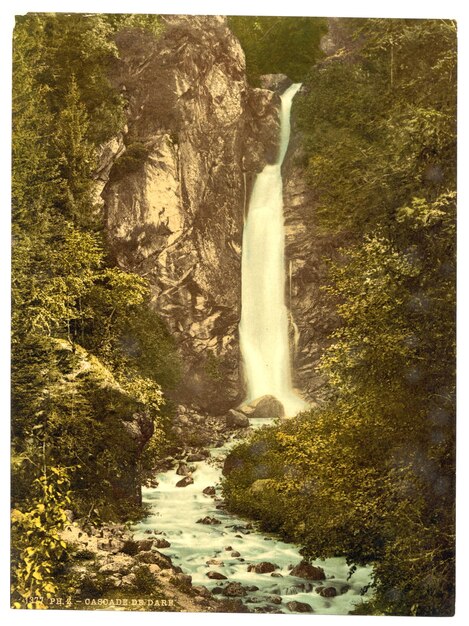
x,y
178,190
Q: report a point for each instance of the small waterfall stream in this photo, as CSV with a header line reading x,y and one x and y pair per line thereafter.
x,y
264,316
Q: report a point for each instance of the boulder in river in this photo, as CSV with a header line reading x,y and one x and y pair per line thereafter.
x,y
211,521
187,480
216,575
234,590
194,457
308,571
235,419
209,491
267,407
184,469
162,543
262,568
327,592
299,607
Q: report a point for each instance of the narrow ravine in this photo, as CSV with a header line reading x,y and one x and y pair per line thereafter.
x,y
219,554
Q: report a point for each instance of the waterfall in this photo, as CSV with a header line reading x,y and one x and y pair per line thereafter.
x,y
264,317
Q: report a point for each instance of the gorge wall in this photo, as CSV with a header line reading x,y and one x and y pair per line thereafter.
x,y
176,187
175,200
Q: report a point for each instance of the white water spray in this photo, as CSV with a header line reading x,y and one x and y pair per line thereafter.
x,y
264,317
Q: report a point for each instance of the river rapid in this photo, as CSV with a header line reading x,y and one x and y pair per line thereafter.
x,y
202,548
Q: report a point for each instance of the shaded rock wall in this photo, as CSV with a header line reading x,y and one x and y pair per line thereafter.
x,y
307,255
174,204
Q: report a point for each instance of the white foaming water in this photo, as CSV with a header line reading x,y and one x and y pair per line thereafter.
x,y
263,328
174,513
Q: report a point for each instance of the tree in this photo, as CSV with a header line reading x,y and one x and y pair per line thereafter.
x,y
288,45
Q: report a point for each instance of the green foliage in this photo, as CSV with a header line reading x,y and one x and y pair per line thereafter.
x,y
88,355
273,45
37,542
370,474
391,108
131,161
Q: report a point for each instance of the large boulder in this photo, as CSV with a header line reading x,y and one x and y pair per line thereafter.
x,y
308,571
267,407
299,607
216,576
234,590
262,568
235,419
184,482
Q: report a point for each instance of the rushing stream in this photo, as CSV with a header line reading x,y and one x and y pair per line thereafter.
x,y
175,512
228,545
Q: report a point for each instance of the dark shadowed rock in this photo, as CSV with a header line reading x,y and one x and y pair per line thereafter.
x,y
209,491
187,480
262,568
299,607
210,521
235,419
275,599
216,576
184,469
328,592
308,571
267,407
162,543
234,590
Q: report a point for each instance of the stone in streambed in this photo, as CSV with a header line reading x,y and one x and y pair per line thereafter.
x,y
209,491
187,480
185,470
234,590
308,571
299,607
235,553
211,521
216,576
161,543
275,599
327,592
267,407
235,419
262,568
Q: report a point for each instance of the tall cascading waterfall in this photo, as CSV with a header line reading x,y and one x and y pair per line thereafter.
x,y
264,317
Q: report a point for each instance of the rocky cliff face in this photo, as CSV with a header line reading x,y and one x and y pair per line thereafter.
x,y
177,192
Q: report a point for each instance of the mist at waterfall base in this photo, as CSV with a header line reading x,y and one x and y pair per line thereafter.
x,y
263,328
